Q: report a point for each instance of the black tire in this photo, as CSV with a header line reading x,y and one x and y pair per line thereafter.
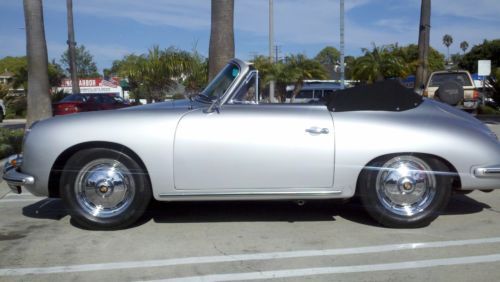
x,y
111,178
450,92
382,188
1,117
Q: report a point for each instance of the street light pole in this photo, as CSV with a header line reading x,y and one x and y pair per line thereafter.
x,y
342,59
75,87
271,48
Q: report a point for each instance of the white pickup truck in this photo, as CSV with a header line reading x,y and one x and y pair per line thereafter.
x,y
454,87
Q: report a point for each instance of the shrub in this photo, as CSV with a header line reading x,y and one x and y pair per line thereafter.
x,y
11,141
486,110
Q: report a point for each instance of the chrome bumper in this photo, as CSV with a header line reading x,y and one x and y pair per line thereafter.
x,y
487,172
15,179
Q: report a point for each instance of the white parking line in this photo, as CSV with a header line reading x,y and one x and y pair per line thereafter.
x,y
287,273
15,200
241,257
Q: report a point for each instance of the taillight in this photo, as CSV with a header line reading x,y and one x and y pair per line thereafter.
x,y
475,95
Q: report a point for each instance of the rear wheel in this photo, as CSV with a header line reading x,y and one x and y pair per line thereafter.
x,y
104,189
405,191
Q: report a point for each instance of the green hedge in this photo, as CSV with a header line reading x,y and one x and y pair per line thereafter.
x,y
486,110
11,142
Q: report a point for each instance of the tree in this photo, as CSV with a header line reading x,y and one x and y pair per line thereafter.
x,y
39,103
85,65
488,50
12,64
197,75
130,67
464,45
152,75
447,41
221,48
299,68
410,55
329,57
380,63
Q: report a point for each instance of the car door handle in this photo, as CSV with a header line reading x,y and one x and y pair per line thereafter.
x,y
317,130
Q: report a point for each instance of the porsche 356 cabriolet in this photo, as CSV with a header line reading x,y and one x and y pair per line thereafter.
x,y
401,154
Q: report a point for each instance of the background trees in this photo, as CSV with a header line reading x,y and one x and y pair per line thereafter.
x,y
151,76
447,41
464,45
380,63
85,65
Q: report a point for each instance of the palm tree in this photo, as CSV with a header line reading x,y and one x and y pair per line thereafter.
x,y
379,63
447,41
221,48
39,103
464,45
300,68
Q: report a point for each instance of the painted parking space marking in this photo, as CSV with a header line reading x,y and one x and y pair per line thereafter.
x,y
288,273
242,257
20,200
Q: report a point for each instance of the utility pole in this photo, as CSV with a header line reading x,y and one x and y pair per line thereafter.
x,y
342,54
271,48
423,45
75,87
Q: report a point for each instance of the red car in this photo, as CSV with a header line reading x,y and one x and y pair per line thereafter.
x,y
77,103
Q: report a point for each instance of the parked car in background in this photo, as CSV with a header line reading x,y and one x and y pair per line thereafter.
x,y
312,92
403,155
77,103
454,87
2,110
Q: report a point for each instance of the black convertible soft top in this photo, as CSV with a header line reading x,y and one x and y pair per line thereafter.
x,y
387,95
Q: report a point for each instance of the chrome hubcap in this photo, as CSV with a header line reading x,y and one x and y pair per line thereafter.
x,y
406,185
104,188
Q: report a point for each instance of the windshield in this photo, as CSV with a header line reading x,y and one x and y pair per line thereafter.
x,y
74,98
219,85
459,77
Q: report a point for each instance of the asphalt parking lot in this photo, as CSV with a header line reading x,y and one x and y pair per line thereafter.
x,y
214,241
235,241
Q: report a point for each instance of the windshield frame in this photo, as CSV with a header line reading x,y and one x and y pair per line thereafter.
x,y
243,70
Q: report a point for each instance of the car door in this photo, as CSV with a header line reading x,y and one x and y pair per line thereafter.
x,y
255,147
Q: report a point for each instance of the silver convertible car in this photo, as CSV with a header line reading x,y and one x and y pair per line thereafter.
x,y
401,154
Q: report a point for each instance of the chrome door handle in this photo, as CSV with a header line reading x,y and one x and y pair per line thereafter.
x,y
317,130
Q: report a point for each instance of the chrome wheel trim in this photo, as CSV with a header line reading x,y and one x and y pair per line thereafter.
x,y
104,188
406,185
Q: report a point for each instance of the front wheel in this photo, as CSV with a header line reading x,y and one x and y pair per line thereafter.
x,y
104,189
405,191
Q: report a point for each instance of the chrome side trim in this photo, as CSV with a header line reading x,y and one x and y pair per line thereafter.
x,y
250,195
487,172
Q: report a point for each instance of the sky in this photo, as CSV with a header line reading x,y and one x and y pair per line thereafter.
x,y
110,29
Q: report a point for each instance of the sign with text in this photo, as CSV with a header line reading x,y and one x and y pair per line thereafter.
x,y
484,67
90,82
